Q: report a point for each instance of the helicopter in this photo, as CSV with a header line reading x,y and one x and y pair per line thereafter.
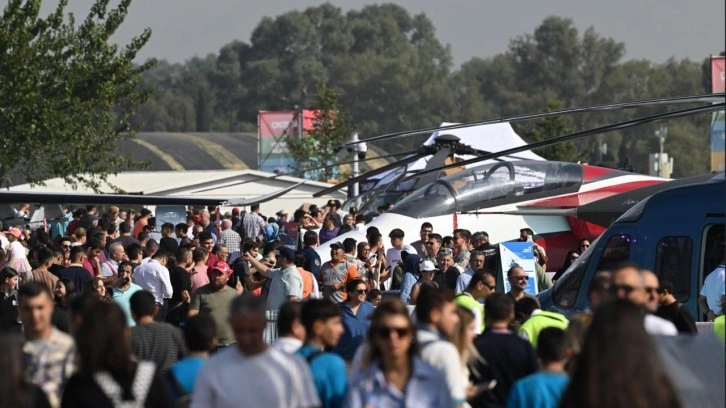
x,y
656,234
503,189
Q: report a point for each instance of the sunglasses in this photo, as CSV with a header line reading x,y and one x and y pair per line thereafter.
x,y
385,332
519,278
625,288
362,291
365,249
491,287
652,290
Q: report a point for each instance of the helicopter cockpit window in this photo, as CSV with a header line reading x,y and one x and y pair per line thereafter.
x,y
564,294
430,201
673,263
615,252
495,184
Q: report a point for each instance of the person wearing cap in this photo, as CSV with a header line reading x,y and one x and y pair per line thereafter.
x,y
285,282
215,299
393,258
17,253
427,271
336,273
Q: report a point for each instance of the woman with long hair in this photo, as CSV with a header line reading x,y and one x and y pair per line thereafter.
x,y
64,291
570,258
98,288
108,374
395,375
619,366
15,391
463,340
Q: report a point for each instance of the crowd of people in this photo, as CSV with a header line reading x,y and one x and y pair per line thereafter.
x,y
108,312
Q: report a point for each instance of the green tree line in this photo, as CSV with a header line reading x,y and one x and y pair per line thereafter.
x,y
391,73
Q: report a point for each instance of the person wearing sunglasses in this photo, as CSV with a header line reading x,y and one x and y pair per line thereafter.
x,y
629,283
356,312
517,278
433,245
482,284
395,376
570,258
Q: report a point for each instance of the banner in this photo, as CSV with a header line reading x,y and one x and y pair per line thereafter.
x,y
522,254
718,152
718,69
272,130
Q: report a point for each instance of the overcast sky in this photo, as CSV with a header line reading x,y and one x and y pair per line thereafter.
x,y
654,30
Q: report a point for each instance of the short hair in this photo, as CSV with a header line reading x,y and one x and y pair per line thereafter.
x,y
430,299
374,293
151,244
33,289
427,225
477,253
352,284
436,237
477,236
396,233
510,270
349,244
205,235
142,304
142,235
464,233
287,315
167,226
133,251
124,228
479,276
182,227
314,310
525,306
45,254
527,230
162,254
248,304
254,207
125,264
104,224
200,332
198,255
666,284
371,230
77,253
94,243
310,238
552,344
114,246
499,308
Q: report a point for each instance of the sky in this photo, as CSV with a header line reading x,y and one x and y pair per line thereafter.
x,y
651,29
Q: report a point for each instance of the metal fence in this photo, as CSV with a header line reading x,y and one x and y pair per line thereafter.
x,y
271,328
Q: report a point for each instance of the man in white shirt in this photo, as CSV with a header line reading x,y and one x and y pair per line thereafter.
x,y
286,283
153,276
393,255
251,361
713,291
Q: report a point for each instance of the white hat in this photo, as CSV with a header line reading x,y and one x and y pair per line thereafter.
x,y
427,266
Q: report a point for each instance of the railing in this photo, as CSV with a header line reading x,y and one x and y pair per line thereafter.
x,y
271,328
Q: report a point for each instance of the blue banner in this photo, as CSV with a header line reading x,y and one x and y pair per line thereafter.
x,y
518,253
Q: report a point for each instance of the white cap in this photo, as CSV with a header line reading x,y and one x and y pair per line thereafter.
x,y
428,266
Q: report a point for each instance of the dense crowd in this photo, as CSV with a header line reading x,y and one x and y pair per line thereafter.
x,y
102,310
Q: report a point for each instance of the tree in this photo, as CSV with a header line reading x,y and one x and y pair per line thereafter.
x,y
319,148
549,128
66,93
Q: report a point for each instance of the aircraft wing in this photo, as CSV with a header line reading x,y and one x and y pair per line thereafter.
x,y
264,198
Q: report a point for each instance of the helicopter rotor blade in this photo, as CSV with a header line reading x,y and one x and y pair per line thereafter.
x,y
363,160
369,174
577,135
709,98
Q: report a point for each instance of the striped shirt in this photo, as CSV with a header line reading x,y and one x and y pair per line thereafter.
x,y
160,343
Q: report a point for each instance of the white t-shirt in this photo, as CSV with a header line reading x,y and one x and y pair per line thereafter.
x,y
283,283
18,250
714,287
393,257
269,379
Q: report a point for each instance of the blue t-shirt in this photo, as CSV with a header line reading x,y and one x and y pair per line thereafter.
x,y
540,390
185,371
312,262
329,375
356,326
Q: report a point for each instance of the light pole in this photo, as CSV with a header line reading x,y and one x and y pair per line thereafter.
x,y
359,151
661,133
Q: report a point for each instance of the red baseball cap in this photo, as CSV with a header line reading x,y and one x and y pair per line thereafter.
x,y
222,267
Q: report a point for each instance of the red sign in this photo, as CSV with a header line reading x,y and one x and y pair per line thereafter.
x,y
272,130
718,68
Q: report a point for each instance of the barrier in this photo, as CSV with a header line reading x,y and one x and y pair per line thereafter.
x,y
704,327
271,331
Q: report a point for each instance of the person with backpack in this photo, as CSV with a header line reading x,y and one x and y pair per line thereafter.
x,y
323,328
200,336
